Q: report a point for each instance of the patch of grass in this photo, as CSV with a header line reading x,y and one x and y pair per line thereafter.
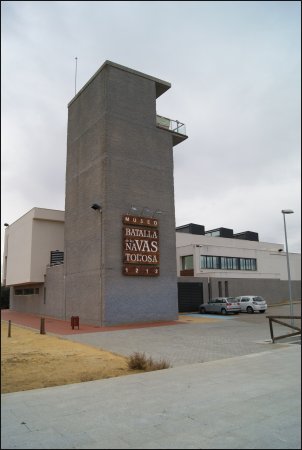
x,y
139,361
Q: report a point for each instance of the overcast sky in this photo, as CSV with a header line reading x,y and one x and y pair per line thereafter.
x,y
235,71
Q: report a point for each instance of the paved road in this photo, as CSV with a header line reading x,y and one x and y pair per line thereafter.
x,y
251,401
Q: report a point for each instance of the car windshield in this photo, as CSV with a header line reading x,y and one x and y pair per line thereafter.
x,y
232,300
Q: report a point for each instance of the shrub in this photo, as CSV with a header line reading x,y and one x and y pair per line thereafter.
x,y
139,361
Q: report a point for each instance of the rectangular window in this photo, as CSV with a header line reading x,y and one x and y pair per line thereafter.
x,y
209,262
216,262
18,291
253,264
223,262
230,263
213,233
26,291
248,264
203,262
235,264
242,264
187,262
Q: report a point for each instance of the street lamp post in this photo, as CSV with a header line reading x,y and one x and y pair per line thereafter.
x,y
288,211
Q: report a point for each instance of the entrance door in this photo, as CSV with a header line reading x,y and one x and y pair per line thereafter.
x,y
190,296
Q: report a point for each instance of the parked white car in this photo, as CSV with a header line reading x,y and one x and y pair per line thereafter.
x,y
220,305
252,303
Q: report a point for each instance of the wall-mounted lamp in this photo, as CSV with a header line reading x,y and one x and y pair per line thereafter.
x,y
157,211
6,224
96,207
132,208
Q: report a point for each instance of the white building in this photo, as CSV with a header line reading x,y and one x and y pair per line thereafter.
x,y
28,244
208,265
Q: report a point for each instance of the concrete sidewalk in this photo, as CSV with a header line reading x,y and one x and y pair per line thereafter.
x,y
245,402
229,387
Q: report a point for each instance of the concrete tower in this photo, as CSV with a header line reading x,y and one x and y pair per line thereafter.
x,y
120,253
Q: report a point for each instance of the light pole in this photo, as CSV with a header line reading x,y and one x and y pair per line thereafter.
x,y
288,211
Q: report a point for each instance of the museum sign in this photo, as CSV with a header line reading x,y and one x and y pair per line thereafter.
x,y
140,246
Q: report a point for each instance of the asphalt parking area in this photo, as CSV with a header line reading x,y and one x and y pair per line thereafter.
x,y
197,338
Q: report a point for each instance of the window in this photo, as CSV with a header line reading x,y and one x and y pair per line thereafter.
x,y
229,263
187,262
226,263
209,262
248,264
253,264
26,291
223,262
216,262
213,233
235,264
29,291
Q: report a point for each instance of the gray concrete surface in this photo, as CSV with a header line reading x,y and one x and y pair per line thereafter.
x,y
251,401
245,402
189,343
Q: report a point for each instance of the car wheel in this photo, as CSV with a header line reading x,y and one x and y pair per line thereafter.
x,y
263,311
249,310
202,311
223,311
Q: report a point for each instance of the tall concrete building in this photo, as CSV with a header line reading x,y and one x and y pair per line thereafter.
x,y
120,248
111,257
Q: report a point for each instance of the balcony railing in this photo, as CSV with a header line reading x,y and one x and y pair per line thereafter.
x,y
172,125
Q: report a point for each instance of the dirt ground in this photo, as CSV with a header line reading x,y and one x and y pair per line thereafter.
x,y
30,360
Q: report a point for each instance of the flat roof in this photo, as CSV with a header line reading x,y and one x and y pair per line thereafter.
x,y
161,85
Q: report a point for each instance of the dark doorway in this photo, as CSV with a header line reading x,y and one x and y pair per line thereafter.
x,y
226,288
190,296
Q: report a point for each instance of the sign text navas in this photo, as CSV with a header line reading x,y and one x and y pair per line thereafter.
x,y
140,246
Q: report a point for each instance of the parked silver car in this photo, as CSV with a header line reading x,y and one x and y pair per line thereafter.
x,y
220,305
252,303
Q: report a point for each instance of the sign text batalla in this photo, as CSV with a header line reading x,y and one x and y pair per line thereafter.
x,y
140,246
